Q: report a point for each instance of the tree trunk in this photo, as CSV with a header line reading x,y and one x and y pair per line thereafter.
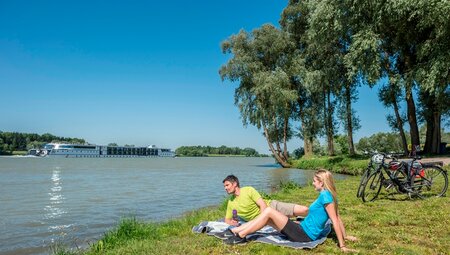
x,y
307,142
400,126
436,138
285,130
275,153
277,143
348,99
411,111
328,114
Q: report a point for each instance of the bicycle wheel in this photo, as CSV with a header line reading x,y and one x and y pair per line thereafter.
x,y
372,187
431,181
364,178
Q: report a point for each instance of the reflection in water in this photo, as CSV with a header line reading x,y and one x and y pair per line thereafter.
x,y
54,209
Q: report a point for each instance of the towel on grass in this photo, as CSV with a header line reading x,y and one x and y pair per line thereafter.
x,y
267,235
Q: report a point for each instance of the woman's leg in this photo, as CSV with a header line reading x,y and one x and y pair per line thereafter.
x,y
269,216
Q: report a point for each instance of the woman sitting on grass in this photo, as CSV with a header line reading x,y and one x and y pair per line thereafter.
x,y
323,208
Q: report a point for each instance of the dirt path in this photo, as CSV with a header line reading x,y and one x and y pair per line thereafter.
x,y
446,160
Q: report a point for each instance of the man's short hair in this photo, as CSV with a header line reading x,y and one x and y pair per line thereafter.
x,y
231,178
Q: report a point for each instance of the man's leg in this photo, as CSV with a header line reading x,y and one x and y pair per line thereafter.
x,y
289,209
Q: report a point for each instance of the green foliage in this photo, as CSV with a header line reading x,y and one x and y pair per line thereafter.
x,y
337,164
325,50
61,249
203,151
298,153
128,229
382,142
15,141
289,186
341,144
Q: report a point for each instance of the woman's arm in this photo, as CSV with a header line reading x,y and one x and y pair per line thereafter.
x,y
331,211
346,237
339,228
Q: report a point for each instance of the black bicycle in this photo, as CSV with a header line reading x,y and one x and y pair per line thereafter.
x,y
409,177
374,163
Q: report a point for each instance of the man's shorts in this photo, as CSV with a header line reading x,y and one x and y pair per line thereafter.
x,y
284,208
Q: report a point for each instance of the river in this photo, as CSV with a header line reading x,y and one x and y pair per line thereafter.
x,y
45,201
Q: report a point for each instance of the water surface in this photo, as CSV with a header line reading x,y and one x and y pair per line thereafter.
x,y
75,200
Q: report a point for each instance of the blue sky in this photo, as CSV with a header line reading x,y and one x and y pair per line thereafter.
x,y
133,72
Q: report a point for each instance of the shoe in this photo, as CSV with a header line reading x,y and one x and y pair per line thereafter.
x,y
224,235
235,239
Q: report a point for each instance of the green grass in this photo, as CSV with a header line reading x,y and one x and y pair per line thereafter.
x,y
392,224
338,164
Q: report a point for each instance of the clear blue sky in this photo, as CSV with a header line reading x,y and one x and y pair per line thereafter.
x,y
133,72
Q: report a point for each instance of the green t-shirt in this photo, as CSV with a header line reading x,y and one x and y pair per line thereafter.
x,y
245,204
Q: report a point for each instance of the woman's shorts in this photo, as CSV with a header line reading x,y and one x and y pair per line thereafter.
x,y
295,232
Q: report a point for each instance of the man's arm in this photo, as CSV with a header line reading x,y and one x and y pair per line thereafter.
x,y
228,219
231,222
261,204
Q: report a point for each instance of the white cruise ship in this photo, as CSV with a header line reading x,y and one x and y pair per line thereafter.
x,y
99,151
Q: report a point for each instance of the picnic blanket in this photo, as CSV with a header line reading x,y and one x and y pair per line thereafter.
x,y
267,235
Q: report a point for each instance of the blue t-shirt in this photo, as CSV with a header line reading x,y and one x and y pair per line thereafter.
x,y
314,223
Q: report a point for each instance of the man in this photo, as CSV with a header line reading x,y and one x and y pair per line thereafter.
x,y
249,204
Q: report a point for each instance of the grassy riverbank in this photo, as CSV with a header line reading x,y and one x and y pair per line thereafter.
x,y
337,164
347,165
390,225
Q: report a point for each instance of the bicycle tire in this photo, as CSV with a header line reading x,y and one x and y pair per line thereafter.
x,y
372,187
432,182
364,178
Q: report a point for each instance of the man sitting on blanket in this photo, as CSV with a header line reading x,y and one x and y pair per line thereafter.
x,y
249,204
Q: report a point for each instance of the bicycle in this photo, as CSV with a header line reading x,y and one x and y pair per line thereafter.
x,y
374,162
413,178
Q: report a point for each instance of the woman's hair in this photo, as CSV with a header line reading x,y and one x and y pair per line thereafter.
x,y
327,178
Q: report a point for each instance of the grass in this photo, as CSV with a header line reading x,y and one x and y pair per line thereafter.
x,y
338,164
392,224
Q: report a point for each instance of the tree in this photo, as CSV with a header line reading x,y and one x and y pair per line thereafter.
x,y
381,142
389,95
412,38
263,64
309,108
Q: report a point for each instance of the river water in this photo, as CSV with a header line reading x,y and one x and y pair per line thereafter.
x,y
45,201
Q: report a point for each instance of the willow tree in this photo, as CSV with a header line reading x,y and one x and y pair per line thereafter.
x,y
295,21
390,95
412,37
329,37
433,66
263,64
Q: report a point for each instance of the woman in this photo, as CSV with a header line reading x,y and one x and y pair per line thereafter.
x,y
323,208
